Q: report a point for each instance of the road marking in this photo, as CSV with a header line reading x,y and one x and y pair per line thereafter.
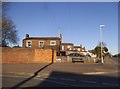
x,y
94,73
20,73
110,84
67,79
49,79
87,81
58,82
15,76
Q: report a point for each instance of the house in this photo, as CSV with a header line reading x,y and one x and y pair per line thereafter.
x,y
79,48
43,42
68,48
65,47
55,43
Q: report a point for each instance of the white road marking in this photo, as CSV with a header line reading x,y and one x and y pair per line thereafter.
x,y
67,79
94,73
15,76
110,84
87,81
48,79
58,82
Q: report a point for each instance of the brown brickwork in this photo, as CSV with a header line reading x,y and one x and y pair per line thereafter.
x,y
27,55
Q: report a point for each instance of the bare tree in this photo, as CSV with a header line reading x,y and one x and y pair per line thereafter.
x,y
9,33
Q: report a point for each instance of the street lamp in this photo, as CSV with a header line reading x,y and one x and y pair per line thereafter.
x,y
101,27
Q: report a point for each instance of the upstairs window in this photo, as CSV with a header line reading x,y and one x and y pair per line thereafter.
x,y
41,44
62,47
53,42
69,48
78,49
29,43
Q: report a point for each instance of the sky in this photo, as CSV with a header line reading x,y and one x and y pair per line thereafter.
x,y
79,22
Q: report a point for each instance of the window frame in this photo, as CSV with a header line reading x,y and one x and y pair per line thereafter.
x,y
53,41
39,43
63,47
69,47
27,43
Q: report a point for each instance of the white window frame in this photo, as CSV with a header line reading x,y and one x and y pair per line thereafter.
x,y
69,47
78,49
63,47
39,43
52,41
27,42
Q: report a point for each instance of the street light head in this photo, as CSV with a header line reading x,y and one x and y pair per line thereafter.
x,y
102,25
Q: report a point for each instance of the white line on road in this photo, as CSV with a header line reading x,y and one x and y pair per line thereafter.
x,y
110,84
94,73
49,80
87,81
65,84
67,79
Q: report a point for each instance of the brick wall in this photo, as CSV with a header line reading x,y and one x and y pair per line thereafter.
x,y
27,55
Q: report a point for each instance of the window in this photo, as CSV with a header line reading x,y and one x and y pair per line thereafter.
x,y
29,43
41,44
69,47
78,49
53,42
62,47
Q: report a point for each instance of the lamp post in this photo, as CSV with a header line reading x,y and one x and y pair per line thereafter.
x,y
101,27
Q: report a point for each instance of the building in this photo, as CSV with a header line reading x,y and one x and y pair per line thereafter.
x,y
79,48
67,46
55,43
43,42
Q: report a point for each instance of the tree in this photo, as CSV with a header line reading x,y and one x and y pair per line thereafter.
x,y
9,33
97,50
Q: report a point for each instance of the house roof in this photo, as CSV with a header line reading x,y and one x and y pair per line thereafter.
x,y
42,38
67,43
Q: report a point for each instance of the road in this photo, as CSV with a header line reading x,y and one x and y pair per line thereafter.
x,y
60,81
66,75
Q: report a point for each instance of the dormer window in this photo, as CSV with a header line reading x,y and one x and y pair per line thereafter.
x,y
52,42
29,43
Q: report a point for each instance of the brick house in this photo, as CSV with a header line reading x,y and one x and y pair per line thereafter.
x,y
51,43
67,46
43,42
79,48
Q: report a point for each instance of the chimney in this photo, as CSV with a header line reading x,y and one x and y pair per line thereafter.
x,y
27,35
60,36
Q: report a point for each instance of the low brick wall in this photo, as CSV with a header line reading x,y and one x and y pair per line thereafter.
x,y
27,55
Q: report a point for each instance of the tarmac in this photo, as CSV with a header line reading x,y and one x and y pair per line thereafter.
x,y
32,68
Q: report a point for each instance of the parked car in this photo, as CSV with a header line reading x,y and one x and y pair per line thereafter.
x,y
77,57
